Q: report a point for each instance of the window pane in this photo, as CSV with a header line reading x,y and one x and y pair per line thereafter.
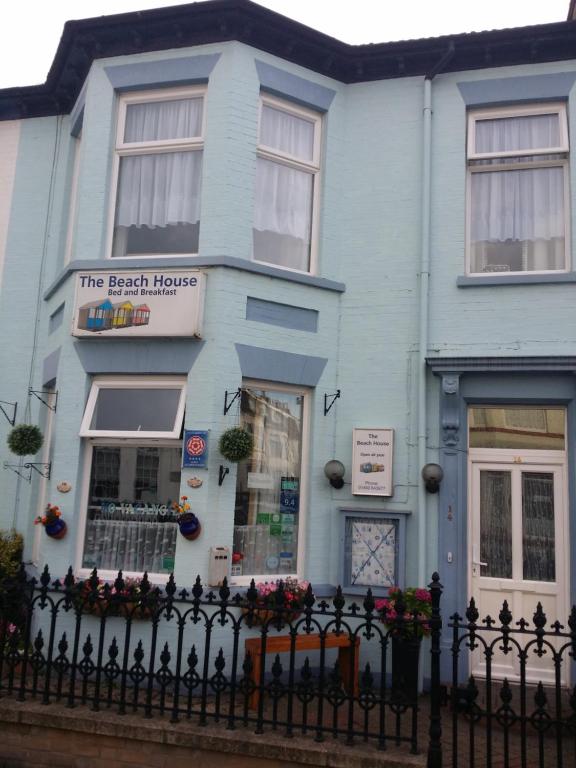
x,y
521,428
538,526
156,120
158,204
282,218
517,220
135,410
508,134
496,524
266,516
287,133
130,522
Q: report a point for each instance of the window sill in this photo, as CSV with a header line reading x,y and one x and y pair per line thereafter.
x,y
469,281
194,262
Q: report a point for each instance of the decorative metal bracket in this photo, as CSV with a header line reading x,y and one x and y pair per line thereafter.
x,y
222,472
228,405
12,420
30,465
332,401
38,392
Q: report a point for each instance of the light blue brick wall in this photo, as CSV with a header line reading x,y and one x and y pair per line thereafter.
x,y
532,319
369,240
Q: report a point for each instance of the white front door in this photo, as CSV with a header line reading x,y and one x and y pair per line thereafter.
x,y
518,548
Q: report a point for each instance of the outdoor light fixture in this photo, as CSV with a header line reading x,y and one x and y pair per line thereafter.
x,y
432,475
334,471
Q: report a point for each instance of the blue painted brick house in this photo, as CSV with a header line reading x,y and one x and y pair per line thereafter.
x,y
391,222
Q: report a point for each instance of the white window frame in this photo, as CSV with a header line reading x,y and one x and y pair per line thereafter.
x,y
134,382
312,167
124,149
106,574
474,116
306,394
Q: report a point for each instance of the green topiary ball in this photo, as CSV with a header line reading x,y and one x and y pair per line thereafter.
x,y
25,439
236,444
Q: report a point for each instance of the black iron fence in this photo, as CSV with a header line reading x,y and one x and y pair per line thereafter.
x,y
518,707
339,669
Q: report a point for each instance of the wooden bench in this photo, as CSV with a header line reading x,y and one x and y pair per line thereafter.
x,y
347,648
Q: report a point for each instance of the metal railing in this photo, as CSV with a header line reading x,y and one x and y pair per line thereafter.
x,y
518,709
325,669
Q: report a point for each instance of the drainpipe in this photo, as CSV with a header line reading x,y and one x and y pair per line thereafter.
x,y
423,574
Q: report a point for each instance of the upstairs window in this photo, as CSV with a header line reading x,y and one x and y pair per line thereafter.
x,y
158,168
286,185
518,190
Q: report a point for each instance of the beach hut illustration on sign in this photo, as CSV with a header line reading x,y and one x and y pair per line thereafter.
x,y
96,316
105,316
122,314
141,314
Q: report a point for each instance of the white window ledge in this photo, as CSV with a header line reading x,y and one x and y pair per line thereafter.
x,y
470,281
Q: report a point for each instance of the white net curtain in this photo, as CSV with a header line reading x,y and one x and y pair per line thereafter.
x,y
158,197
130,523
517,216
283,205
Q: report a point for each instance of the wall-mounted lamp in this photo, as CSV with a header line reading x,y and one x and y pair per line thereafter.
x,y
432,475
334,471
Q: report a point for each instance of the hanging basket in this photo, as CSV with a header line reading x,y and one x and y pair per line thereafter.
x,y
236,444
25,439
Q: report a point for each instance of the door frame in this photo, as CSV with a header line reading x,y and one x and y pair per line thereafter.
x,y
539,461
518,462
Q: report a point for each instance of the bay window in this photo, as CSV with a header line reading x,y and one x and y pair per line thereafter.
x,y
158,168
133,474
269,484
287,171
518,190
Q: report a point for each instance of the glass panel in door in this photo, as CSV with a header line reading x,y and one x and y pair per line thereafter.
x,y
496,524
538,541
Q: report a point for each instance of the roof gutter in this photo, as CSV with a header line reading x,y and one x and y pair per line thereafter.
x,y
423,306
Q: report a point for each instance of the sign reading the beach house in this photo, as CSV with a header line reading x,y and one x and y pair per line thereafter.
x,y
372,462
139,303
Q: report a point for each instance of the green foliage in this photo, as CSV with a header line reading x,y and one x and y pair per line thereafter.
x,y
11,545
12,614
25,439
236,444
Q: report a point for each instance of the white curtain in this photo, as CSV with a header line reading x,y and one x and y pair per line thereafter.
x,y
129,545
518,205
283,200
512,134
153,121
515,208
283,205
160,189
287,133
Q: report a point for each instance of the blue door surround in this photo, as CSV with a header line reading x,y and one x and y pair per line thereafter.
x,y
467,381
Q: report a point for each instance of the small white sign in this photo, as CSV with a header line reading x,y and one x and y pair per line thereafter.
x,y
139,303
261,481
372,462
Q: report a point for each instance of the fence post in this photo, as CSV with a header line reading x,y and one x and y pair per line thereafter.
x,y
435,729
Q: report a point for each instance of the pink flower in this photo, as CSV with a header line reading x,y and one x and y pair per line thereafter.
x,y
424,595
